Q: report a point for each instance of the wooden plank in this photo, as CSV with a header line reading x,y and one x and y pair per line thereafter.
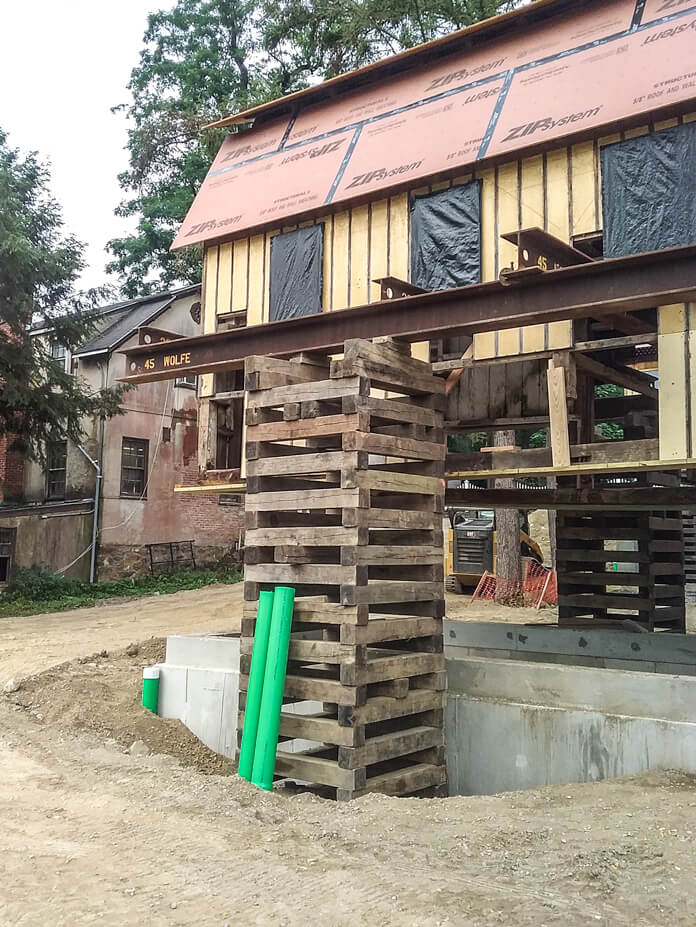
x,y
317,770
317,390
389,746
316,573
382,708
608,578
266,372
268,238
564,555
393,446
397,555
621,376
297,464
396,410
240,262
341,261
399,666
256,280
327,266
385,481
675,388
302,536
484,344
532,216
584,216
379,246
582,500
318,690
311,651
558,413
359,271
628,466
318,610
609,600
408,780
598,451
509,340
399,259
291,500
379,630
313,727
210,265
381,591
399,519
224,297
307,428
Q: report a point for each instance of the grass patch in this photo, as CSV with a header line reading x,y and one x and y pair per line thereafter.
x,y
33,592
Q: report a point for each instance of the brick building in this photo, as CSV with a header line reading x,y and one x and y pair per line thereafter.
x,y
47,513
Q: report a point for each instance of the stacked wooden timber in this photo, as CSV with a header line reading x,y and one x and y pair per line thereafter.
x,y
690,556
625,565
344,502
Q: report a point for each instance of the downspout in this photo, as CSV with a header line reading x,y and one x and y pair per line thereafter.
x,y
98,483
95,513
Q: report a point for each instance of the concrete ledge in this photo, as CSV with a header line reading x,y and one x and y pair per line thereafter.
x,y
617,692
204,650
648,653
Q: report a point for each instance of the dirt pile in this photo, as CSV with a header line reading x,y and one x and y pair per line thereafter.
x,y
101,694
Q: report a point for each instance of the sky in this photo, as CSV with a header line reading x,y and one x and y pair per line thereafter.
x,y
63,65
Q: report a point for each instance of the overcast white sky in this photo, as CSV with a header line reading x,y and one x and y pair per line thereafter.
x,y
63,65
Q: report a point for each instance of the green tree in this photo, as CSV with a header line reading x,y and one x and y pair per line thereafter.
x,y
306,39
204,59
39,266
197,65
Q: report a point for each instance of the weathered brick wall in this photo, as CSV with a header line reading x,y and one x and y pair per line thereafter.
x,y
11,472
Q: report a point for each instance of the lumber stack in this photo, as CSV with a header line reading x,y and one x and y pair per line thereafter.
x,y
625,565
344,502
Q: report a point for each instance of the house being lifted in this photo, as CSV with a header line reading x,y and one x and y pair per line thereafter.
x,y
517,202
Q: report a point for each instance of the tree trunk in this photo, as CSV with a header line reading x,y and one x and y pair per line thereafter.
x,y
508,565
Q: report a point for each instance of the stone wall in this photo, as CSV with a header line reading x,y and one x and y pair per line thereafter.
x,y
125,561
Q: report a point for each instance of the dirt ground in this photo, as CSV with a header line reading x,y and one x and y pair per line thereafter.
x,y
110,815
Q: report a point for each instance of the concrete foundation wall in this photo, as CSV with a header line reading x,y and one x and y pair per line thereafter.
x,y
513,725
50,539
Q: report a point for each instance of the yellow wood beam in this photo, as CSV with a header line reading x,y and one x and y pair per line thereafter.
x,y
213,487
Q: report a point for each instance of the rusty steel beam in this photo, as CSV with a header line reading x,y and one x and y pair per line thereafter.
x,y
586,290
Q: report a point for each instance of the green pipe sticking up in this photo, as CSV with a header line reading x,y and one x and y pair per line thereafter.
x,y
256,676
273,687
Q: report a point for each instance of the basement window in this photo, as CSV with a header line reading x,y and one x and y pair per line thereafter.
x,y
649,191
297,260
446,237
56,470
134,456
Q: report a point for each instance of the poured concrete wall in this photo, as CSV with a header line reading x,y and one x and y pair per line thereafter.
x,y
518,720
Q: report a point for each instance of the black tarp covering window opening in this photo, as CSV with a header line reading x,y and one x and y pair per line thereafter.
x,y
296,273
649,192
446,237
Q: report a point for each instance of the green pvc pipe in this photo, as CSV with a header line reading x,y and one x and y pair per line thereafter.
x,y
151,676
256,674
273,686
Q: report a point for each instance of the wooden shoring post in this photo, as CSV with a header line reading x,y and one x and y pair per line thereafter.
x,y
558,413
345,503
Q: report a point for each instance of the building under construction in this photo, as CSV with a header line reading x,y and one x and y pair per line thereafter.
x,y
471,236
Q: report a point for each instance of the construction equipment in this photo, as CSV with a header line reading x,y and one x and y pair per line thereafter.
x,y
471,546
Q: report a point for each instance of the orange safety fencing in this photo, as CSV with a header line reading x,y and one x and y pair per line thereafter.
x,y
537,587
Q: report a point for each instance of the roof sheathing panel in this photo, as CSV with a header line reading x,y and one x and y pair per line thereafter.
x,y
571,73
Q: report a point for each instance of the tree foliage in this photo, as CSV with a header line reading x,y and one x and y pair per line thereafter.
x,y
204,59
39,266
